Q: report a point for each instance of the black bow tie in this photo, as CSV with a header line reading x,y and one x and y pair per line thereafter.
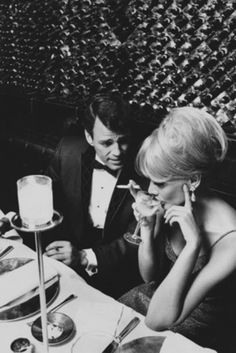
x,y
98,165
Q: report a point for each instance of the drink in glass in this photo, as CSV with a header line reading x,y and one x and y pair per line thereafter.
x,y
145,203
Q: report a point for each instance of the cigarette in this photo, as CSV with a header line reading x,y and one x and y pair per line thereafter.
x,y
128,186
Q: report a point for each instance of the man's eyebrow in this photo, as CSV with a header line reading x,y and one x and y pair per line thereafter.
x,y
112,138
105,140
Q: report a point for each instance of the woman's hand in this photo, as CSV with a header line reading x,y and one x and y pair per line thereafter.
x,y
134,188
184,217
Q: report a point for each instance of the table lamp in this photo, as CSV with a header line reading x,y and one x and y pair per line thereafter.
x,y
36,215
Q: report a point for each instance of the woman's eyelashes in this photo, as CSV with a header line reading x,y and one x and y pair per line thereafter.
x,y
159,184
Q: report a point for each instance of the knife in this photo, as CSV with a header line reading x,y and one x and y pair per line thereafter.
x,y
128,328
6,251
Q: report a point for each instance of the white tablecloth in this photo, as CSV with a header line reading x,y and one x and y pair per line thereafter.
x,y
91,310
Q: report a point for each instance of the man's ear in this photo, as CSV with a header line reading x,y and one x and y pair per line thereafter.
x,y
88,137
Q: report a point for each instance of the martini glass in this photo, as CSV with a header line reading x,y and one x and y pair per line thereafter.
x,y
134,238
145,203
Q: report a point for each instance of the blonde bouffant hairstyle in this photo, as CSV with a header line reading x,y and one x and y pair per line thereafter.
x,y
189,142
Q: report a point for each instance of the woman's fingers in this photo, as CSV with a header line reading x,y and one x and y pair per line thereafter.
x,y
173,220
133,190
187,197
176,211
170,214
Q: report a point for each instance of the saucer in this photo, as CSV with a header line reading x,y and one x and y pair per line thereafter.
x,y
60,328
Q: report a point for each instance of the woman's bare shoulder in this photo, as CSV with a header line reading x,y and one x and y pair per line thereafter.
x,y
218,216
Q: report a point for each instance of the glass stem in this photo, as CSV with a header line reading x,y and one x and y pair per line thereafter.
x,y
137,228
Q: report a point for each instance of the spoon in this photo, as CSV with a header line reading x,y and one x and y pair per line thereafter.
x,y
66,300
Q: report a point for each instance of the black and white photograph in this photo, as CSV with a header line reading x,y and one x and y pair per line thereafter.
x,y
118,178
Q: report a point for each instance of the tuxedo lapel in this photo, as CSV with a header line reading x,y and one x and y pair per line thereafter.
x,y
86,179
118,197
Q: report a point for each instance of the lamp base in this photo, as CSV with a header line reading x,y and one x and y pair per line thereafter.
x,y
16,222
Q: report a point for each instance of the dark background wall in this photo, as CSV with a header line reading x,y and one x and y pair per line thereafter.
x,y
55,54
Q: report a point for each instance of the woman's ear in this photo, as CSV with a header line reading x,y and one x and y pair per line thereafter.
x,y
195,182
193,185
88,137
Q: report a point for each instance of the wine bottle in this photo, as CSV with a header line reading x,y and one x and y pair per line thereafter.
x,y
221,53
214,43
230,62
210,80
216,90
232,43
218,72
227,82
209,64
190,79
206,98
190,96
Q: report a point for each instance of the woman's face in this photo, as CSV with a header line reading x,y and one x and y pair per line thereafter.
x,y
169,192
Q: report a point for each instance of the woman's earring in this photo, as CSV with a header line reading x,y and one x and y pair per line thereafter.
x,y
192,196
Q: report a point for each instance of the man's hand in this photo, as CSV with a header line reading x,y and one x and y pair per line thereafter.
x,y
65,252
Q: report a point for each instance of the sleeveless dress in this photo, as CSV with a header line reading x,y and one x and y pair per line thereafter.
x,y
212,323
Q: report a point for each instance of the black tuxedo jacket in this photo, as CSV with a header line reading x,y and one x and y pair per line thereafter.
x,y
71,171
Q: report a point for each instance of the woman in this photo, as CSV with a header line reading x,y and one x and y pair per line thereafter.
x,y
188,243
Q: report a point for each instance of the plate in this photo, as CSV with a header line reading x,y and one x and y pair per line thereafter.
x,y
29,303
11,264
60,327
149,344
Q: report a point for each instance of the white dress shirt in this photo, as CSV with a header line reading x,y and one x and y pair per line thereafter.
x,y
103,185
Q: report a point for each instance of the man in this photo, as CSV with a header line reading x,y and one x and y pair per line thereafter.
x,y
96,213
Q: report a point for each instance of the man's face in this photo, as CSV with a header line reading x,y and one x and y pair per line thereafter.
x,y
110,147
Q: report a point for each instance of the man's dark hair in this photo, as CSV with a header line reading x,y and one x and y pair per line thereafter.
x,y
111,109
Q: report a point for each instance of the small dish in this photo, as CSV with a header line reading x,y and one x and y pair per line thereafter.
x,y
22,344
60,328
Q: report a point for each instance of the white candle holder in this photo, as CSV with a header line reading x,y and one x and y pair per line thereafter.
x,y
36,215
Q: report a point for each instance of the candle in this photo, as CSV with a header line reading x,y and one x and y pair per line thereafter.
x,y
35,200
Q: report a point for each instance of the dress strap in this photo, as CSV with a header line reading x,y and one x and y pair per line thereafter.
x,y
222,236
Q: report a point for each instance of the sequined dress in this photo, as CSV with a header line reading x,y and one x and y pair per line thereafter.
x,y
212,323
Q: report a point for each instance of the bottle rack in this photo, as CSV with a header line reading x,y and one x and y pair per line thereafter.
x,y
158,54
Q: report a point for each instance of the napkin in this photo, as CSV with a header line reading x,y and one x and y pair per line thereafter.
x,y
12,233
100,316
22,280
97,323
175,343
